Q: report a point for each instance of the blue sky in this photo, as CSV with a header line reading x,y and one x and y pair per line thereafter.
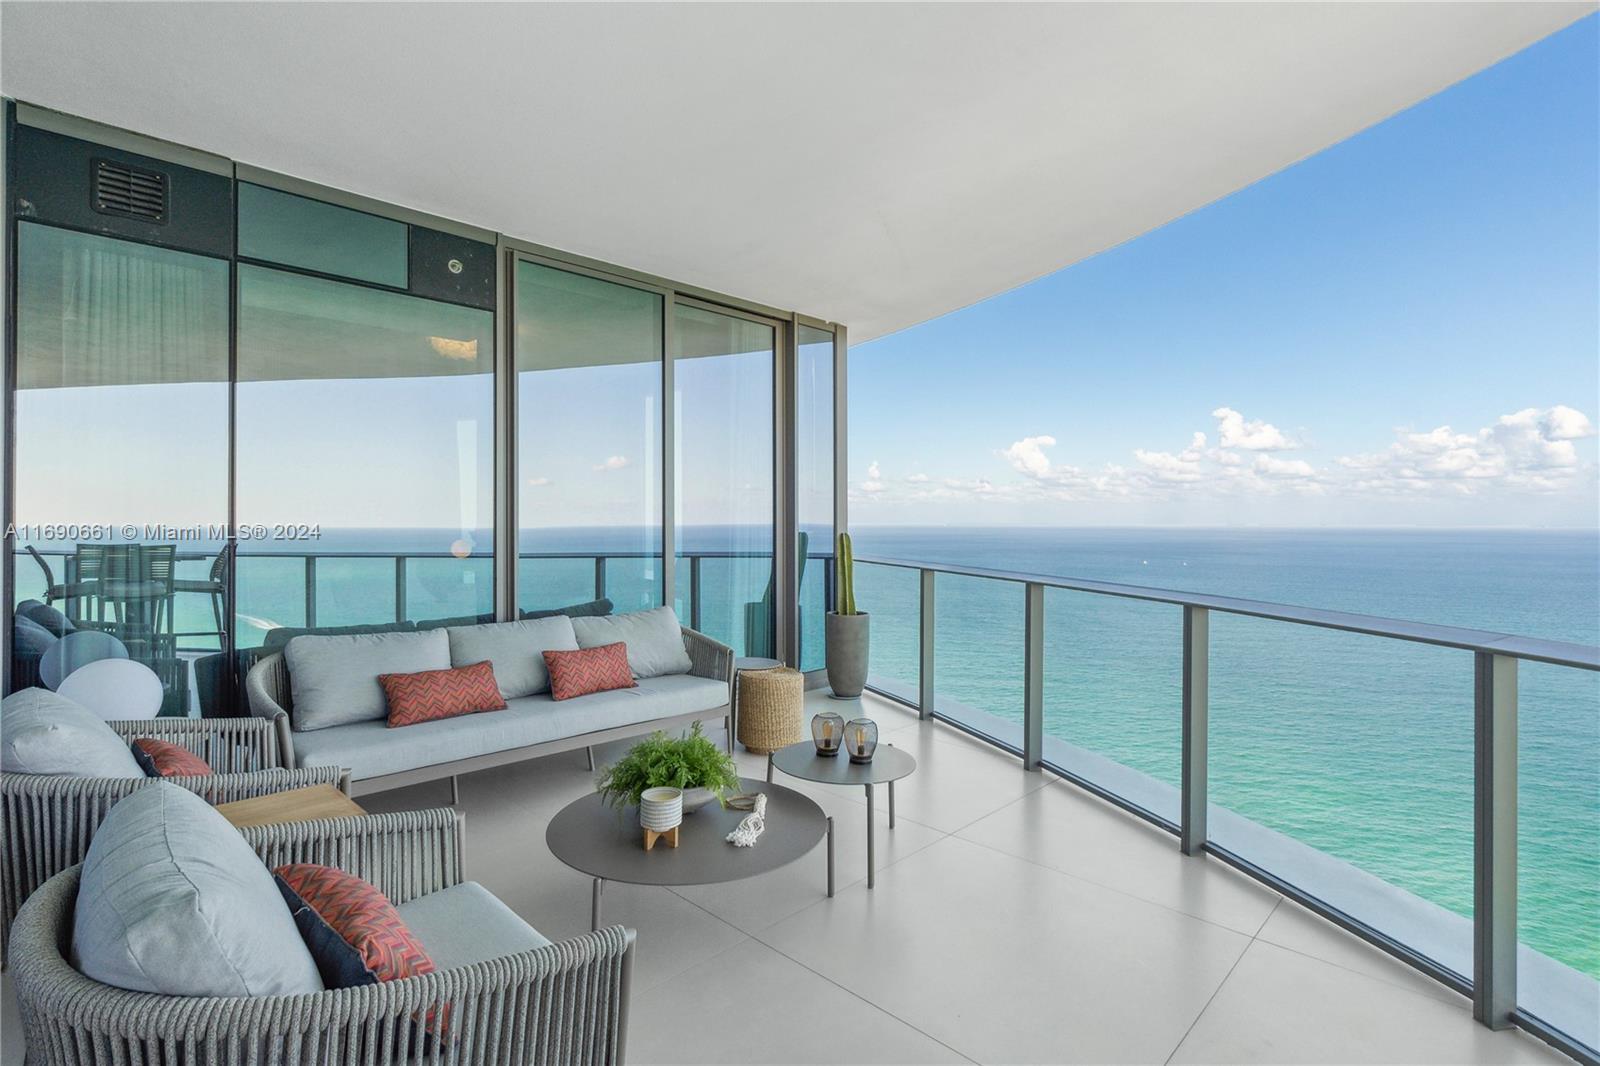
x,y
1411,316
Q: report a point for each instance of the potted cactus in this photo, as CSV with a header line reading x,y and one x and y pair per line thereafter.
x,y
847,630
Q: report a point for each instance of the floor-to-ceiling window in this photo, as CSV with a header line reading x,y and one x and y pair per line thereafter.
x,y
589,466
365,422
121,456
723,433
814,488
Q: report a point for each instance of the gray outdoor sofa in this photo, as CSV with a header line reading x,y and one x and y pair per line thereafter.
x,y
559,1003
378,757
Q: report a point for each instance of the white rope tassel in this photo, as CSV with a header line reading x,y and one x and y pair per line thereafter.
x,y
750,827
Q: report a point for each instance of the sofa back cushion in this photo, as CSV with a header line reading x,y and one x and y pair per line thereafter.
x,y
173,901
334,679
516,649
654,639
42,732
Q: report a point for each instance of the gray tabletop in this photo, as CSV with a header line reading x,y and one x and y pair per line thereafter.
x,y
801,760
606,842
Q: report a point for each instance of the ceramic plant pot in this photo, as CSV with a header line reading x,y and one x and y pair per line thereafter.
x,y
847,639
661,809
695,798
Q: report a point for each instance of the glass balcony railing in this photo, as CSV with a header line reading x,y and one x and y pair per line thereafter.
x,y
1377,771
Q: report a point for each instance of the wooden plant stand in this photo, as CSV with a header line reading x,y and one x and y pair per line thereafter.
x,y
669,835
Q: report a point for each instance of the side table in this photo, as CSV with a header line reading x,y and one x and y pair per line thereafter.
x,y
888,765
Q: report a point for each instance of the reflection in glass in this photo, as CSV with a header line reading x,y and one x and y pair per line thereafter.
x,y
365,442
589,368
722,382
280,227
814,488
121,420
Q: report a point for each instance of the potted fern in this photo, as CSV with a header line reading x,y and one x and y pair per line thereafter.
x,y
847,629
693,763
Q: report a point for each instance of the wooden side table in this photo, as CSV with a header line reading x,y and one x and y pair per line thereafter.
x,y
295,805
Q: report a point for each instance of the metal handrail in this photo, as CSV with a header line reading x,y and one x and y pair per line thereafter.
x,y
1537,649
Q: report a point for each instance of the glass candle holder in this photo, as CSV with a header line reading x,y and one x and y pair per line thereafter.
x,y
861,739
827,733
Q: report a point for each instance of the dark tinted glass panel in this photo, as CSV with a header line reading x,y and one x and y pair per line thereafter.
x,y
121,457
365,454
279,227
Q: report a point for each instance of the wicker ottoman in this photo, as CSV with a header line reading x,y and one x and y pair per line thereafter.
x,y
771,708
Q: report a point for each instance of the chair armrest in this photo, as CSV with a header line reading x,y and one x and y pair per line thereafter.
x,y
558,1004
707,657
47,821
406,854
229,745
267,691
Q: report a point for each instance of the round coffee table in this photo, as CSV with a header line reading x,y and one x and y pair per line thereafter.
x,y
888,765
607,843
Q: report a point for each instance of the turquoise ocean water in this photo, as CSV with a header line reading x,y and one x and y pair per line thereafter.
x,y
1358,746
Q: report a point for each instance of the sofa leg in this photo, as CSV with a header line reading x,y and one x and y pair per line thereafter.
x,y
589,751
455,791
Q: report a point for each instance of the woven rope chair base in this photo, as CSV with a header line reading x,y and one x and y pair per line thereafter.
x,y
771,708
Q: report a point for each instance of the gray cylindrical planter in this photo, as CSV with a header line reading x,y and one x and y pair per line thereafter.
x,y
847,653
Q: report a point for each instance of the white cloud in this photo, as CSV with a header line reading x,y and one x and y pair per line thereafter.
x,y
917,479
874,471
538,482
614,462
1531,449
1027,455
1254,436
1272,466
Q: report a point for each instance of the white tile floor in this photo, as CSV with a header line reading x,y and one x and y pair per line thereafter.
x,y
1015,919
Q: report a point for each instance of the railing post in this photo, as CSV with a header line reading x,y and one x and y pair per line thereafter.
x,y
311,591
1196,683
599,577
1494,897
1033,678
694,592
399,588
925,657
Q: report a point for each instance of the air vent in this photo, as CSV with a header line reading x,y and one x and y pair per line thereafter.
x,y
129,191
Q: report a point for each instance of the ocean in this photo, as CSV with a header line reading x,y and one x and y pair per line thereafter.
x,y
1358,746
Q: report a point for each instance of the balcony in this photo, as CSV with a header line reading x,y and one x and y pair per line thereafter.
x,y
1016,917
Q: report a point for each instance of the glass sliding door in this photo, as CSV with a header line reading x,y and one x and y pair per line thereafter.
x,y
365,456
723,433
814,488
121,457
589,371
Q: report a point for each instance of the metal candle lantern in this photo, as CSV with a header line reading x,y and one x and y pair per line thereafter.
x,y
861,739
827,732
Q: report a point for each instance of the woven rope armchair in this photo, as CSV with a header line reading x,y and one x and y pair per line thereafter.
x,y
47,821
563,1003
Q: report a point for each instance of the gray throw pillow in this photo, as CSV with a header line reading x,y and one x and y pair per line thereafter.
x,y
654,640
43,732
173,901
515,649
334,679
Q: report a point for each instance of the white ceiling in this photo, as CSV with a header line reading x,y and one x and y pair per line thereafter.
x,y
876,165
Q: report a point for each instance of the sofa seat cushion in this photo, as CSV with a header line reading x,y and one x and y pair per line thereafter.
x,y
654,639
467,923
43,732
516,650
334,679
172,900
371,749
